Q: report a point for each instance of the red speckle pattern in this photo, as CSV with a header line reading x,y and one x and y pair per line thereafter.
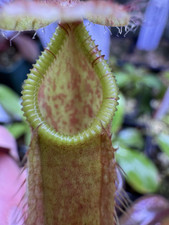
x,y
71,183
70,94
76,184
108,178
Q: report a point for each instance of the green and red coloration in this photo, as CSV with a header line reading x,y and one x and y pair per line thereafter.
x,y
69,99
71,109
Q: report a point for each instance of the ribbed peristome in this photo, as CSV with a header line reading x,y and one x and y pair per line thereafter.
x,y
69,99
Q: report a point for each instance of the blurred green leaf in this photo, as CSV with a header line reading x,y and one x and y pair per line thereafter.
x,y
123,79
152,82
118,118
131,137
10,101
163,141
129,68
17,129
166,75
141,173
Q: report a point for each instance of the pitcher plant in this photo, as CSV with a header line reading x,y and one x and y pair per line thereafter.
x,y
69,99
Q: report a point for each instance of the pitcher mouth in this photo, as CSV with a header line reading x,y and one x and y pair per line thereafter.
x,y
101,117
